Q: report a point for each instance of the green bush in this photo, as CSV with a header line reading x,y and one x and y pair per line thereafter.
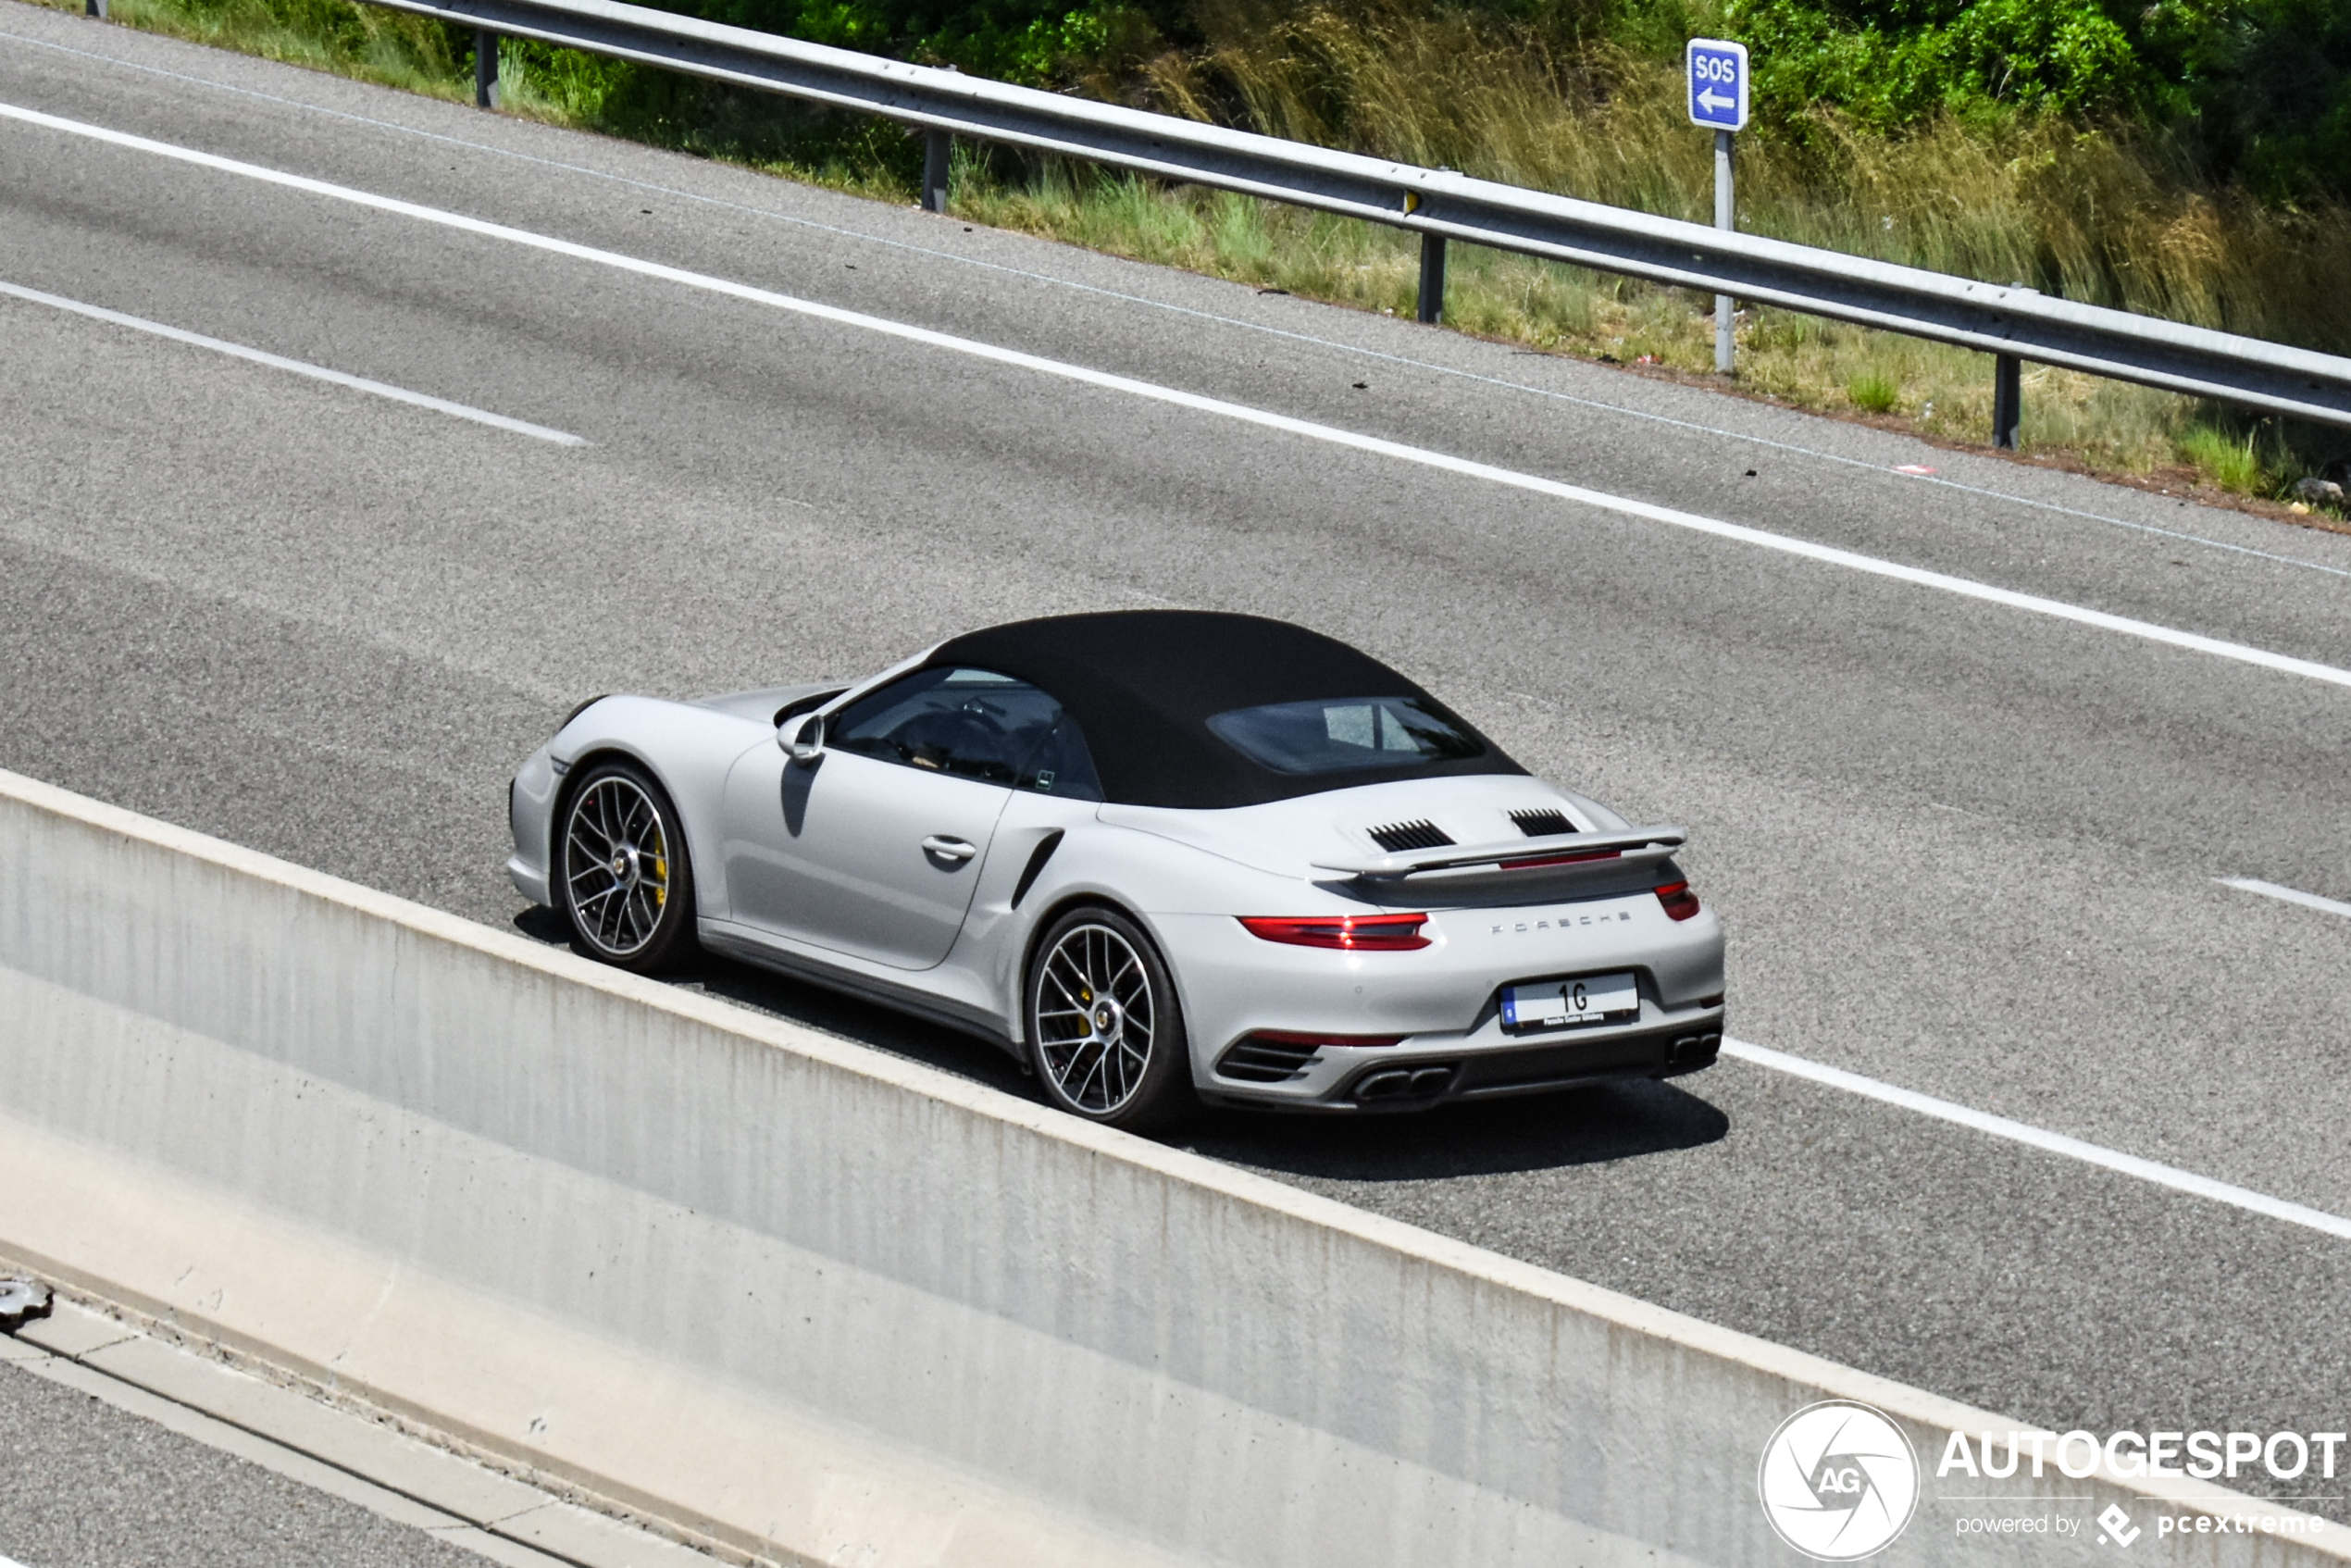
x,y
1042,43
2255,88
1873,393
2269,87
2228,461
1890,63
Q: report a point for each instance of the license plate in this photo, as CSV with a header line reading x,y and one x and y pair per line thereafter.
x,y
1557,1004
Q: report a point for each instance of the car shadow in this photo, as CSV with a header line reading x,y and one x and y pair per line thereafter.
x,y
1581,1127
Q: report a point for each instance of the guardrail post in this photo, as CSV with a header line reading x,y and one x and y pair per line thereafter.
x,y
1725,217
94,9
938,157
2007,400
1432,300
485,70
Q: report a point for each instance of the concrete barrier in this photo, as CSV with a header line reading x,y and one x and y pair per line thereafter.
x,y
821,1304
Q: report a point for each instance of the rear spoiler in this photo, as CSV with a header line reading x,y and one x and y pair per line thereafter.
x,y
1640,846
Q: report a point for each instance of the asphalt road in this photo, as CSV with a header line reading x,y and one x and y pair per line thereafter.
x,y
1961,848
83,1485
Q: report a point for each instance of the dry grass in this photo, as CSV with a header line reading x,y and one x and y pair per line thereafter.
x,y
390,48
2117,218
2109,216
1944,393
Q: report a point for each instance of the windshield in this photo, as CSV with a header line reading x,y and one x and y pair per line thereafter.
x,y
1347,734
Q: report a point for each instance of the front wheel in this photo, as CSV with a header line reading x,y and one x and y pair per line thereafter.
x,y
622,880
1105,1033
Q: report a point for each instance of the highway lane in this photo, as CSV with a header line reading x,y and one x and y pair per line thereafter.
x,y
128,1451
1961,848
89,1486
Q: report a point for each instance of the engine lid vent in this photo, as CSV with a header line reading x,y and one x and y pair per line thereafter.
x,y
1542,823
1420,835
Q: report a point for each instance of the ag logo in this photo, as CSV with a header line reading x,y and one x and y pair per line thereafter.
x,y
1838,1481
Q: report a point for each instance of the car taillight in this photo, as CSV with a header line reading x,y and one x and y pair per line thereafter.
x,y
1371,933
1679,902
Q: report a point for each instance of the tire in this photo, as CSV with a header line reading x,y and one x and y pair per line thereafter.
x,y
623,881
1105,1032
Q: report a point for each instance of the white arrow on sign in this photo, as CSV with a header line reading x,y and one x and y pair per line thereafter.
x,y
1714,103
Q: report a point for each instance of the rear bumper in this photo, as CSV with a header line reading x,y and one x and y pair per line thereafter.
x,y
1648,1054
1248,1002
1426,1072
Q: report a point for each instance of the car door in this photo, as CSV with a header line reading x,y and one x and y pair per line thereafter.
x,y
873,848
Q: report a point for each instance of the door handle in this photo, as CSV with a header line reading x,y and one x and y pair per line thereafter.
x,y
945,848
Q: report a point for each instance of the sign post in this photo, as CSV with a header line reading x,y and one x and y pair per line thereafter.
x,y
1718,78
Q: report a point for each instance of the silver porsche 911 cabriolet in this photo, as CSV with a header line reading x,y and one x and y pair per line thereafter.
x,y
1159,856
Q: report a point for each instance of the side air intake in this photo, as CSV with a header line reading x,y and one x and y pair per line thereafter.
x,y
1270,1056
1258,1060
1542,823
1421,835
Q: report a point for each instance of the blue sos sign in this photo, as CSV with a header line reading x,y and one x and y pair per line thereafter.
x,y
1717,83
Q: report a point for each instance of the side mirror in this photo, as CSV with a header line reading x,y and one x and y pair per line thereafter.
x,y
803,736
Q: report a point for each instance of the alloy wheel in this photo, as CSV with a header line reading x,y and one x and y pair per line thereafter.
x,y
616,866
1095,1018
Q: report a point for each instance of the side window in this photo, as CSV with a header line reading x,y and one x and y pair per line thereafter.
x,y
1063,765
970,723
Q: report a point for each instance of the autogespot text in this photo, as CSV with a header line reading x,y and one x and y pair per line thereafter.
x,y
2200,1456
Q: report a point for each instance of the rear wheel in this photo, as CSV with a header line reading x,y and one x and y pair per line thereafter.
x,y
622,880
1105,1033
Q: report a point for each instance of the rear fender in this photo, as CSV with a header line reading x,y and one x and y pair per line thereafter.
x,y
1148,877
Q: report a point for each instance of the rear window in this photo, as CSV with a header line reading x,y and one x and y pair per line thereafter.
x,y
1347,734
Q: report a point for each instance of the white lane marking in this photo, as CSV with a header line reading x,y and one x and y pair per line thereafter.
x,y
2289,895
297,366
1602,405
1357,350
1329,434
2052,1142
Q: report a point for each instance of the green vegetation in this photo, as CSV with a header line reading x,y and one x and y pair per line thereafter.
x,y
2230,459
2256,89
2188,158
1873,392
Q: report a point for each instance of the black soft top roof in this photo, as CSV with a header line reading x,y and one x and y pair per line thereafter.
x,y
1143,683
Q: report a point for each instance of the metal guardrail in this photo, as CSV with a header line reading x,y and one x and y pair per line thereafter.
x,y
2013,323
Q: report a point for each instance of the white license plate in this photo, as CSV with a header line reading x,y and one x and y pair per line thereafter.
x,y
1554,1004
